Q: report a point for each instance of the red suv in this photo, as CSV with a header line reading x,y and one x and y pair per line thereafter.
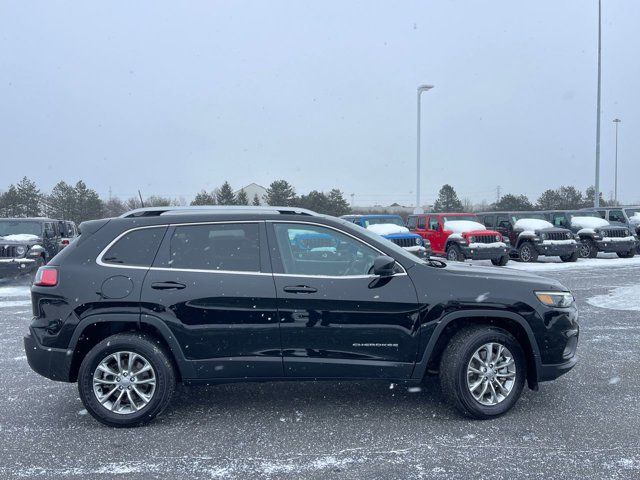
x,y
459,236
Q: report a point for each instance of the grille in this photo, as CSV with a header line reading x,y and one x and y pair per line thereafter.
x,y
613,233
404,242
557,236
485,238
7,251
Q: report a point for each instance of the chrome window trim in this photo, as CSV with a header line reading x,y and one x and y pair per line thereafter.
x,y
100,262
404,271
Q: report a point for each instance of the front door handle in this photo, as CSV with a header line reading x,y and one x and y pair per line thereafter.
x,y
300,289
167,286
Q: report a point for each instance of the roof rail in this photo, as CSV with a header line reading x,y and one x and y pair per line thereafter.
x,y
157,211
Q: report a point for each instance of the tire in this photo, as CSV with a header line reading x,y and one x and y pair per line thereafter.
x,y
588,249
454,375
570,258
630,254
527,253
454,254
500,261
145,348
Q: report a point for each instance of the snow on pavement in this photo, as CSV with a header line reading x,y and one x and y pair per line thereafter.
x,y
621,298
549,264
15,296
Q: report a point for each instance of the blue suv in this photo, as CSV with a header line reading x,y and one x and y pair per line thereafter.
x,y
392,228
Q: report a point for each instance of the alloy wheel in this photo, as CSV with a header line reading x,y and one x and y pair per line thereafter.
x,y
124,382
491,374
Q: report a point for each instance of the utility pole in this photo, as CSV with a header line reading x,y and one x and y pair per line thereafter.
x,y
353,195
498,194
418,208
615,187
596,201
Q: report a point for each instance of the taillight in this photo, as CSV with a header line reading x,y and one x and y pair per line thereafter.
x,y
65,241
46,277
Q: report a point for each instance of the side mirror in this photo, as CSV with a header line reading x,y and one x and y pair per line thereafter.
x,y
384,266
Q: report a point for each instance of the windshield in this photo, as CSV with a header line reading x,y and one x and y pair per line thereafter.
x,y
17,227
392,219
469,218
632,212
536,216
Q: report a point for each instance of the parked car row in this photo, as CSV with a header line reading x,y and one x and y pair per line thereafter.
x,y
521,236
28,243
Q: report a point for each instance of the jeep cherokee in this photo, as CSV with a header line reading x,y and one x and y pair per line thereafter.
x,y
166,295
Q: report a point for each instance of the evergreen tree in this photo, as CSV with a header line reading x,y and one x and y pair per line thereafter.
x,y
61,201
204,198
513,202
590,196
29,198
9,203
87,204
256,200
338,205
281,194
448,200
225,196
241,198
570,198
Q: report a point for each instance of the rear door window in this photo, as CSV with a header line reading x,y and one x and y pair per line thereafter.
x,y
135,248
225,247
616,216
412,223
433,223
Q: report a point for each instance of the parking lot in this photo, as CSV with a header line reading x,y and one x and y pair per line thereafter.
x,y
585,424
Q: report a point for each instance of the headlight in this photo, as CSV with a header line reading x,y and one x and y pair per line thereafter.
x,y
418,241
20,250
556,299
626,233
568,234
543,236
498,238
472,239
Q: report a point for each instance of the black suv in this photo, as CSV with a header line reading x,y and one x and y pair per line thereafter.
x,y
215,295
595,233
532,235
27,243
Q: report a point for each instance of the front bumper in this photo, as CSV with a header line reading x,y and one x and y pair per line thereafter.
x,y
551,372
609,246
420,251
52,363
475,253
17,266
556,250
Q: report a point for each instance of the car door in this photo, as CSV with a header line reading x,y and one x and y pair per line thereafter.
x,y
432,232
503,226
211,284
50,239
337,319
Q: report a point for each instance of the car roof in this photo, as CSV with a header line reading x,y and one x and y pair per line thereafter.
x,y
215,209
372,215
30,219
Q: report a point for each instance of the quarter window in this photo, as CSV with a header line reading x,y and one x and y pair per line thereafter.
x,y
230,247
422,223
616,216
316,250
136,248
411,223
433,223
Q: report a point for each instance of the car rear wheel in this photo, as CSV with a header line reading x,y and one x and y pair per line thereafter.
x,y
570,258
126,380
454,253
482,371
527,253
588,249
500,261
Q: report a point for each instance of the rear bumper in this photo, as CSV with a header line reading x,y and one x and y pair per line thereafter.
x,y
52,363
609,246
552,250
16,266
484,253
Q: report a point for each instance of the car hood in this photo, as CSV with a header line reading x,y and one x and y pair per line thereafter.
x,y
26,241
482,274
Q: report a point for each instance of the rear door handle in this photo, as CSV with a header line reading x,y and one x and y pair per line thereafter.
x,y
168,286
300,289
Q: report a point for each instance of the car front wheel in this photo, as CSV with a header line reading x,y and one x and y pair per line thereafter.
x,y
126,380
527,253
454,253
588,249
482,371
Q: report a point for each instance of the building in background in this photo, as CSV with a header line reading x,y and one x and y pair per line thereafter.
x,y
252,190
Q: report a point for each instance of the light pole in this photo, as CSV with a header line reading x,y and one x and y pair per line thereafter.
x,y
596,201
615,188
418,208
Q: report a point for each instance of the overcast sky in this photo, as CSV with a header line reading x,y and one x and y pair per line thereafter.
x,y
173,97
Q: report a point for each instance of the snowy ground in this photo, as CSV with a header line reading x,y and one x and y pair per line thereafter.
x,y
584,425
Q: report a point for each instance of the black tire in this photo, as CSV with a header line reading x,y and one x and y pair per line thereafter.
x,y
630,254
527,252
453,370
500,261
454,253
570,258
147,347
587,249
